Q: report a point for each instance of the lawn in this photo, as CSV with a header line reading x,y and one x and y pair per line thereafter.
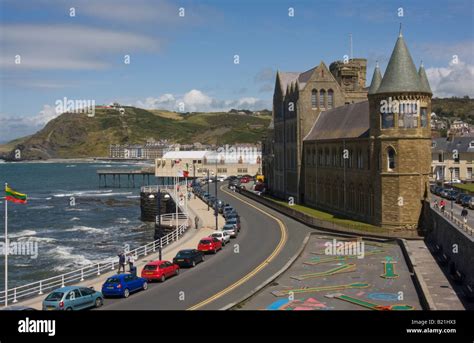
x,y
329,217
466,186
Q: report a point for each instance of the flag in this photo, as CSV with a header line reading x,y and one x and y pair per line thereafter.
x,y
13,196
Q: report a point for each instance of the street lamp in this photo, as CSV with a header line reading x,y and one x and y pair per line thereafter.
x,y
451,171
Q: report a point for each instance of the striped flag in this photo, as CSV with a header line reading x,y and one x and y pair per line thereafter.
x,y
14,196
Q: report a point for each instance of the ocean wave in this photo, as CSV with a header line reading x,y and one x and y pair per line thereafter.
x,y
64,253
82,193
38,239
77,209
19,234
70,166
74,219
132,196
122,221
76,228
40,207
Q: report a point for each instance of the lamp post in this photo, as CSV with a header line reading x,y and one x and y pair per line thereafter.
x,y
451,171
216,212
208,179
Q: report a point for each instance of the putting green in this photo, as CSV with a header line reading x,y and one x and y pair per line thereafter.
x,y
389,268
345,268
318,260
320,289
373,306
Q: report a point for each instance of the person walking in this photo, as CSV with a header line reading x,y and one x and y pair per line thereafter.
x,y
442,204
435,204
196,222
131,261
121,257
464,214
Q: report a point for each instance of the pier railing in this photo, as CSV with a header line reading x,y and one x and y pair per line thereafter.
x,y
95,269
449,214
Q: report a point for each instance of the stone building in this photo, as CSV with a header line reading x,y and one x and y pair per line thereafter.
x,y
452,158
298,100
371,160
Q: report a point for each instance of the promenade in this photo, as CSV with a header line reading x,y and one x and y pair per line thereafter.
x,y
189,240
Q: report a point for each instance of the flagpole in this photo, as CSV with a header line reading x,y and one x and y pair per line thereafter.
x,y
6,249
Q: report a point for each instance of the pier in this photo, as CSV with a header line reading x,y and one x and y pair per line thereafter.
x,y
133,177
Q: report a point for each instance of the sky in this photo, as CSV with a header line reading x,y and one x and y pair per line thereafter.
x,y
185,52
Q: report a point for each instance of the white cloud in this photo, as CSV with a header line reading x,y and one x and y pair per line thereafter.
x,y
71,47
12,127
457,79
197,101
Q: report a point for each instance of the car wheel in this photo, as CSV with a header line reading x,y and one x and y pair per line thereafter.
x,y
126,293
69,309
176,272
145,286
99,302
162,278
202,258
193,264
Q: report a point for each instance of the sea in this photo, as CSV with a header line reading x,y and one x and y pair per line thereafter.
x,y
73,221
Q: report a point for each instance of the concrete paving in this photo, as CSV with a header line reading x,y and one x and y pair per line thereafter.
x,y
315,277
439,292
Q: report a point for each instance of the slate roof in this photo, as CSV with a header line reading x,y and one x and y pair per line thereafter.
x,y
376,80
401,74
461,144
349,121
287,78
424,80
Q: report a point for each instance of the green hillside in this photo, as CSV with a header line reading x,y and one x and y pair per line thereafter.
x,y
77,135
454,108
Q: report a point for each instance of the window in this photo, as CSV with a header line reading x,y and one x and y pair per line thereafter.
x,y
322,95
423,116
390,159
314,98
440,157
387,117
469,173
330,98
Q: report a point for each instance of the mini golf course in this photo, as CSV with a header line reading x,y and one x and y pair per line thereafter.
x,y
283,293
344,268
370,305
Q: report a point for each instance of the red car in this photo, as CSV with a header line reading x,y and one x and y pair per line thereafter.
x,y
209,244
159,270
245,179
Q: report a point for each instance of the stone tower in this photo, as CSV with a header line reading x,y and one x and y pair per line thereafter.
x,y
400,107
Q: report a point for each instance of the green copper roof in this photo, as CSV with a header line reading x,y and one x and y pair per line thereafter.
x,y
425,85
401,74
376,80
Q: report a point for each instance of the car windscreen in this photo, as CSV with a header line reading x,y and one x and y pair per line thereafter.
x,y
184,254
228,227
150,267
112,280
205,241
55,296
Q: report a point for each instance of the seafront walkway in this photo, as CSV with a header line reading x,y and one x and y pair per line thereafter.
x,y
189,240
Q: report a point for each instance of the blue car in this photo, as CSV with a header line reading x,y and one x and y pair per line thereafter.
x,y
72,298
121,285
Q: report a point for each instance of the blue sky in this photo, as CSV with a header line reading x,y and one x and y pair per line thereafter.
x,y
190,59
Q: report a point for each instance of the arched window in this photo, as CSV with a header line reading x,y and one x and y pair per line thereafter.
x,y
330,98
390,159
314,99
322,95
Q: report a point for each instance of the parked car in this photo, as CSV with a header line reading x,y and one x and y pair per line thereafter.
x,y
438,190
223,236
123,285
227,208
444,193
72,298
245,179
229,214
159,270
466,200
233,215
459,197
234,221
231,229
188,258
452,194
471,203
209,244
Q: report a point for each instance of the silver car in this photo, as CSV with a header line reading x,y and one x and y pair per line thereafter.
x,y
223,236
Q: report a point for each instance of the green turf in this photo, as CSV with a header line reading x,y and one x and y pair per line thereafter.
x,y
466,186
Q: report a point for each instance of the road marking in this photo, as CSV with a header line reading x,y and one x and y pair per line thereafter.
x,y
262,265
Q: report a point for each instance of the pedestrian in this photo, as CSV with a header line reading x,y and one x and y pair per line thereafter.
x,y
435,203
131,261
442,204
464,214
189,196
121,257
196,222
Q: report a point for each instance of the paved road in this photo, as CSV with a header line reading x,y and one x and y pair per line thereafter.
x,y
456,209
228,276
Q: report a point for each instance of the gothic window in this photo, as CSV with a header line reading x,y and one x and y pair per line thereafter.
x,y
387,117
322,95
390,159
424,116
314,99
330,98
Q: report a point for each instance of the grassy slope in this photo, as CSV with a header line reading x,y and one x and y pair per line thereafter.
x,y
76,135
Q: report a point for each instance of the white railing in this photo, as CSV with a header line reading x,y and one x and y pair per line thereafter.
x,y
458,222
93,270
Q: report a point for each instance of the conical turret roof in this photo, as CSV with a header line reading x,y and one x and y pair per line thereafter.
x,y
376,80
424,80
401,74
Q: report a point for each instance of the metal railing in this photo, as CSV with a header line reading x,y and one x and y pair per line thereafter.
x,y
95,269
458,222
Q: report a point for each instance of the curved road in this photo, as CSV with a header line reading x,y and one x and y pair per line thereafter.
x,y
265,244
